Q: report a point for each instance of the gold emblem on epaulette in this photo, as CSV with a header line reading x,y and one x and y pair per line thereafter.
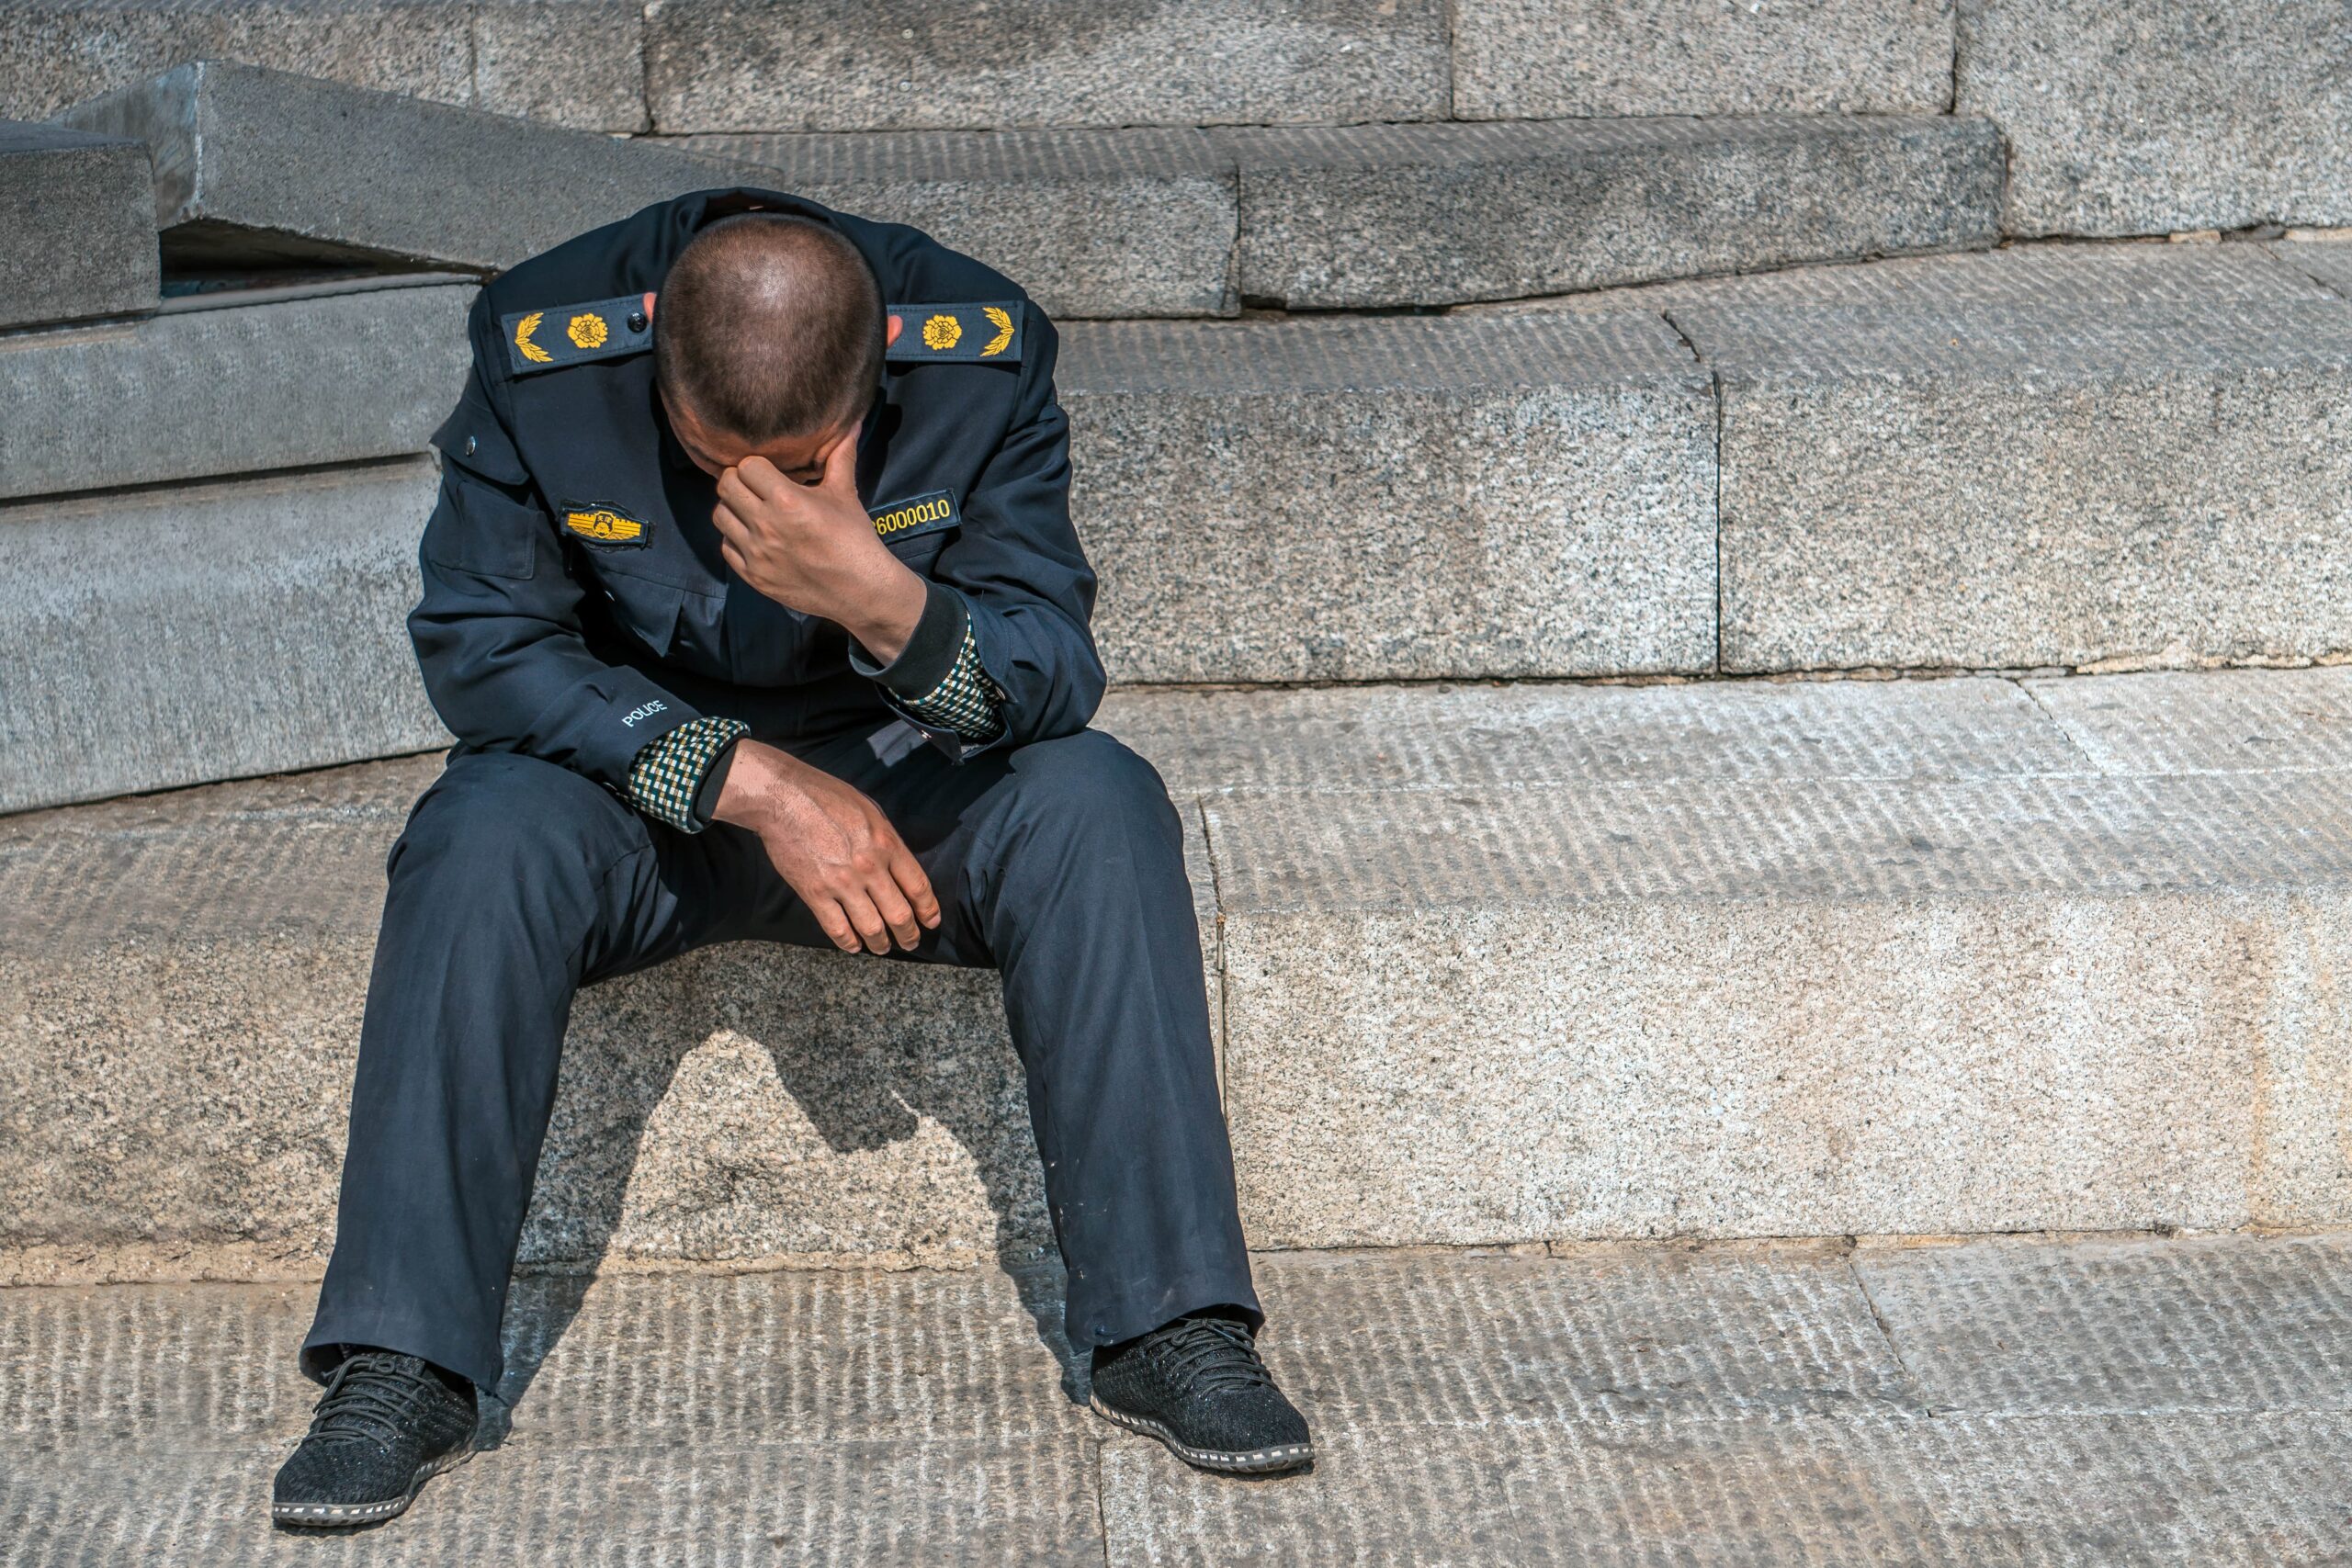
x,y
1002,322
531,351
942,332
586,331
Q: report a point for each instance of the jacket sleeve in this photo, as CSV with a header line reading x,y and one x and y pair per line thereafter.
x,y
498,632
1024,582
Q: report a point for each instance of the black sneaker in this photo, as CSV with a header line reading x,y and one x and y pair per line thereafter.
x,y
386,1425
1197,1385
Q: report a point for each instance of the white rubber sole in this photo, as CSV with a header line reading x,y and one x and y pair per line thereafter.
x,y
1250,1462
347,1516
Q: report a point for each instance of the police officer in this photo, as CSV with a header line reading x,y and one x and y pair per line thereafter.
x,y
752,599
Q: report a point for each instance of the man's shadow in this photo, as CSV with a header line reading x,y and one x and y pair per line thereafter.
x,y
867,1048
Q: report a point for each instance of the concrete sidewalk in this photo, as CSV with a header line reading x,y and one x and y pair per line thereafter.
x,y
2004,1401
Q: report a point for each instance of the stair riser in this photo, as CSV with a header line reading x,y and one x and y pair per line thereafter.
x,y
1439,215
234,391
163,1093
170,637
1780,1067
77,226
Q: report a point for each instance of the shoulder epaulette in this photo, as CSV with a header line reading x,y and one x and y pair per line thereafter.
x,y
970,334
573,334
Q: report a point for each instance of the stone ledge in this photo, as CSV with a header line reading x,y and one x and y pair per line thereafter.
x,y
70,194
236,386
1370,216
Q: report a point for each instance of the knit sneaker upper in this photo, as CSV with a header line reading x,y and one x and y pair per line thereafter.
x,y
1200,1384
384,1423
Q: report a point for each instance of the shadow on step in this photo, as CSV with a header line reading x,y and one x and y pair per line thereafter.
x,y
753,1106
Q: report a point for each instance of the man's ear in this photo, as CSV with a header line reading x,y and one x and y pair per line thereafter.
x,y
890,338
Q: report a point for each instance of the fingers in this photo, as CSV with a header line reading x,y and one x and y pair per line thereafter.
x,y
897,914
872,930
755,476
836,925
841,465
908,875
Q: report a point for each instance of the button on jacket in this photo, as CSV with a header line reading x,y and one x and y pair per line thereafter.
x,y
576,606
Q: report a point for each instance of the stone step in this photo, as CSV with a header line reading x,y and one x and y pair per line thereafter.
x,y
77,232
1351,525
1097,224
1768,1406
1394,498
162,636
251,163
2127,119
235,384
1496,965
576,64
1092,223
1489,494
1170,222
1376,215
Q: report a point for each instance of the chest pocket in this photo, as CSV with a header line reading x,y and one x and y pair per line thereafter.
x,y
919,527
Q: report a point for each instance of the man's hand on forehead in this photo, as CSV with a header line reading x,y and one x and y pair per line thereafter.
x,y
812,548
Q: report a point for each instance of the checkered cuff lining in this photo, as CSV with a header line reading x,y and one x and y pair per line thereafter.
x,y
966,700
668,773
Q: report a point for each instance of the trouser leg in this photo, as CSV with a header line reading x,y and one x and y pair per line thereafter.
x,y
1063,862
515,880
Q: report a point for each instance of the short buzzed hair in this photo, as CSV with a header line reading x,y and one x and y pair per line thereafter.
x,y
769,326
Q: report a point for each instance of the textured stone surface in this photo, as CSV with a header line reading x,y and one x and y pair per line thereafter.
x,y
1394,498
2031,485
574,62
743,1103
2137,1491
1393,215
2121,1327
1366,1339
242,389
926,64
1767,1067
1489,736
2223,721
1091,222
1547,59
2137,272
1497,967
171,636
1623,1406
286,163
2136,120
70,194
2328,261
750,1499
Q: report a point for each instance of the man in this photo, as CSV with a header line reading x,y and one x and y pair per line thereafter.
x,y
724,537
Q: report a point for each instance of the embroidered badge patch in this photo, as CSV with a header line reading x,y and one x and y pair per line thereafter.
x,y
572,334
932,513
606,525
957,333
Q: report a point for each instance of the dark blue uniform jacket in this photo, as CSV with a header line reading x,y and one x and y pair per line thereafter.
x,y
575,602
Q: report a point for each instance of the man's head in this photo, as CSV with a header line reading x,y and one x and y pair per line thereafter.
x,y
768,338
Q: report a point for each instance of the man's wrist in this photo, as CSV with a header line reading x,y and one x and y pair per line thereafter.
x,y
888,612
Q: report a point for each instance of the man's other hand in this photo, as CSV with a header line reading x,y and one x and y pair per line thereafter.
x,y
833,846
812,548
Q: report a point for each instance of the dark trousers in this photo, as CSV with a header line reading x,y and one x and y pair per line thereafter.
x,y
518,881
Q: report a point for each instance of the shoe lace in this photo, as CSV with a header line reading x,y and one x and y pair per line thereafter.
x,y
1203,1355
371,1396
